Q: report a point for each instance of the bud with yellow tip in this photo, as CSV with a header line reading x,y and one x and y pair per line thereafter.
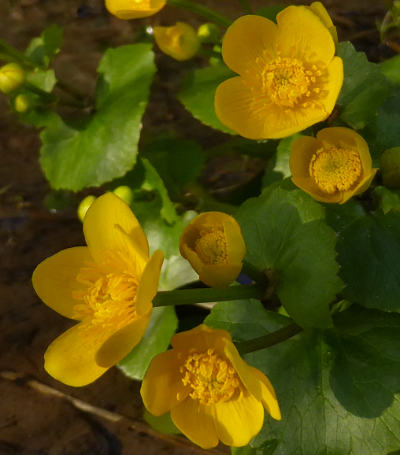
x,y
84,206
21,103
214,246
134,9
11,77
209,33
179,41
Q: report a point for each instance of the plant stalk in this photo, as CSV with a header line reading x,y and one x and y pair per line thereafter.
x,y
201,10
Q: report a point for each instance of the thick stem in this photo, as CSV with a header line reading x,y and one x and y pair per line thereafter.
x,y
201,10
202,295
268,340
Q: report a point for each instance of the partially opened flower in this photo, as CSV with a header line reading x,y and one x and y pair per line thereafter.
x,y
214,246
289,77
134,9
180,41
332,167
210,391
107,286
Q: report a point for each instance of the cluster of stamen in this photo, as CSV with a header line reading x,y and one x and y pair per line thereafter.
x,y
211,378
211,245
335,169
107,300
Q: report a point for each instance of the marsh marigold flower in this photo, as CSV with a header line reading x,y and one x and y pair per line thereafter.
x,y
210,391
11,77
289,77
332,167
214,246
134,9
107,286
180,41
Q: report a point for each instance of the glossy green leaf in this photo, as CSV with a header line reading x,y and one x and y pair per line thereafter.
x,y
387,199
391,69
42,49
198,91
369,257
43,79
285,233
106,147
159,332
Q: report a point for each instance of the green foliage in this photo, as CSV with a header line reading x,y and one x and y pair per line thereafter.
x,y
163,424
285,234
321,378
106,146
161,328
42,79
387,199
270,12
42,49
197,94
391,69
369,256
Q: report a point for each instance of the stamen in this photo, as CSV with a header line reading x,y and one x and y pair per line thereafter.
x,y
211,245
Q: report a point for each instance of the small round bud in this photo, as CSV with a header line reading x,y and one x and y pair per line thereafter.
x,y
209,33
11,77
84,206
390,168
21,103
125,193
179,41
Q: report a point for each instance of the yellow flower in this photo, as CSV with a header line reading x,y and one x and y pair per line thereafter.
x,y
11,77
288,78
319,9
214,246
210,391
108,286
179,41
134,9
332,167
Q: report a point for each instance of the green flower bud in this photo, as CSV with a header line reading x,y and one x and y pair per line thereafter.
x,y
84,206
21,103
209,33
390,168
125,193
11,77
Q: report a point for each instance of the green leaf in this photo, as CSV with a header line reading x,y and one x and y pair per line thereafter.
x,y
285,233
106,147
364,88
340,216
391,69
302,370
387,199
197,94
42,49
43,79
163,424
159,332
270,12
369,256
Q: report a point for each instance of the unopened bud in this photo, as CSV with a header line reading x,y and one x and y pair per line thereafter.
x,y
11,77
21,103
84,206
390,168
125,193
179,41
209,33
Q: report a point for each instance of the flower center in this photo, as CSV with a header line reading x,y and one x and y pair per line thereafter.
x,y
335,169
211,246
211,378
108,302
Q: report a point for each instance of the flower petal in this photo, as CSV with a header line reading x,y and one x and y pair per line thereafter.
x,y
109,224
238,420
234,242
121,343
249,38
360,188
71,358
162,387
302,34
196,421
126,9
201,338
266,394
54,279
148,284
333,84
219,275
237,108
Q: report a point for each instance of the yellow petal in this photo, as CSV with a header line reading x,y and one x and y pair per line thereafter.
x,y
266,394
238,420
234,241
179,41
54,279
319,9
249,38
128,9
121,343
360,188
240,110
148,284
333,85
71,358
200,338
302,34
196,422
109,224
162,387
219,275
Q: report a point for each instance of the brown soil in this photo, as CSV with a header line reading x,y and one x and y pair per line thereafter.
x,y
39,416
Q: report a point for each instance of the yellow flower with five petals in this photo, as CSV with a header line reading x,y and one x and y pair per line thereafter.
x,y
107,286
289,77
332,167
210,391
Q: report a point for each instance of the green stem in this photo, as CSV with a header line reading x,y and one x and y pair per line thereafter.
x,y
11,54
201,10
246,6
268,340
202,295
254,273
40,92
